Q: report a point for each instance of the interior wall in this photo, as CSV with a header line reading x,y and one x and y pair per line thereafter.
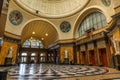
x,y
109,11
5,49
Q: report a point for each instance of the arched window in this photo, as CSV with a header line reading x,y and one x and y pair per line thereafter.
x,y
33,43
27,43
94,20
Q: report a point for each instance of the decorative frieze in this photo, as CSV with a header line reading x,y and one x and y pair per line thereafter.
x,y
12,40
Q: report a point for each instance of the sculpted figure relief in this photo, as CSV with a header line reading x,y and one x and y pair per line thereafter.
x,y
66,54
116,46
10,51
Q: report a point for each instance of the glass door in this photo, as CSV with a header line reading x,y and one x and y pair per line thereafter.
x,y
24,58
33,58
43,57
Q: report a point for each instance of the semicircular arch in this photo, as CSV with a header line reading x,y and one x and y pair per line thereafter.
x,y
40,29
86,12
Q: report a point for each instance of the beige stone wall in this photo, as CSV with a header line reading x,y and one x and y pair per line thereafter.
x,y
116,3
28,17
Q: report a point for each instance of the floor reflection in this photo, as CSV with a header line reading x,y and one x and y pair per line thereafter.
x,y
51,71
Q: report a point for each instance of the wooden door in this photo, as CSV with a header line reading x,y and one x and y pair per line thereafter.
x,y
103,57
78,57
92,57
83,58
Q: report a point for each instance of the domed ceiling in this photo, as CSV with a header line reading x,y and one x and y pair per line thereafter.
x,y
52,8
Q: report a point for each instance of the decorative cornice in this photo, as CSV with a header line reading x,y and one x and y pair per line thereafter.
x,y
117,7
62,42
90,38
6,33
10,39
116,16
114,25
66,41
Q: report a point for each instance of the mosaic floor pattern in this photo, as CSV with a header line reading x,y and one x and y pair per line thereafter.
x,y
51,71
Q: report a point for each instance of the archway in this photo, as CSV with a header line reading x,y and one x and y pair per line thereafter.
x,y
41,30
84,13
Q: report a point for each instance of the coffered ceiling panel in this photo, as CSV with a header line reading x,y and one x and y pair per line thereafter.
x,y
40,29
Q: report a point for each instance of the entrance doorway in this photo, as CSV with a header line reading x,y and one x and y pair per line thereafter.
x,y
92,57
103,57
43,58
51,58
33,58
23,58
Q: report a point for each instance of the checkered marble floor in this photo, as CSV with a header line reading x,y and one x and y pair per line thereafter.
x,y
52,72
112,79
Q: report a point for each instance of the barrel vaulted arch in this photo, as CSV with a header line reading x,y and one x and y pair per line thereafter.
x,y
41,28
86,12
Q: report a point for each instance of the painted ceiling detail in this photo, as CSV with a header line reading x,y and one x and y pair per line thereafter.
x,y
15,17
65,26
52,8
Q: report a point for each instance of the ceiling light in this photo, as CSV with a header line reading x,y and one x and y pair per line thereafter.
x,y
42,38
46,34
33,32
